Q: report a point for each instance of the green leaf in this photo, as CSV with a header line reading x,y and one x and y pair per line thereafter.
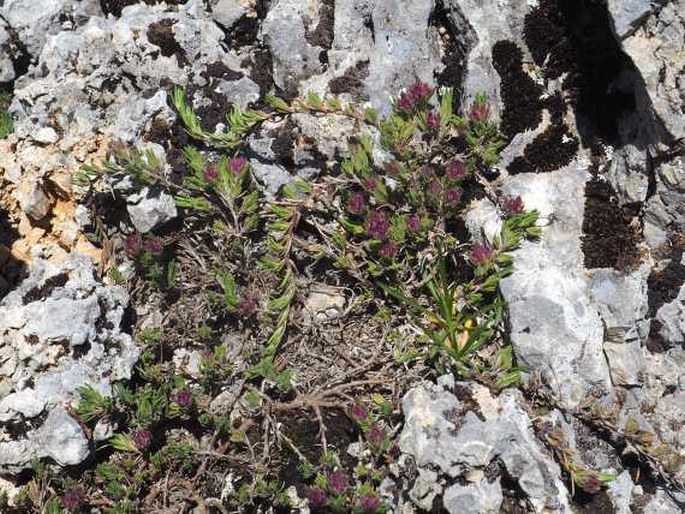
x,y
278,104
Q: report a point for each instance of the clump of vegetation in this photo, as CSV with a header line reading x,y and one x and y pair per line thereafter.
x,y
6,123
223,388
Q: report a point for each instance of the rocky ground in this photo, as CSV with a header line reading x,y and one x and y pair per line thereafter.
x,y
124,388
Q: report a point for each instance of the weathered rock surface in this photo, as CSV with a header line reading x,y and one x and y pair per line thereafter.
x,y
441,433
59,330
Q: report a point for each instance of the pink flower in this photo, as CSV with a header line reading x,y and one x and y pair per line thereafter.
x,y
184,397
371,183
211,173
420,90
479,112
237,164
337,482
452,195
432,120
456,171
513,205
377,225
370,503
376,435
481,253
154,245
387,250
434,188
73,499
142,438
358,412
427,172
413,223
134,244
317,497
246,306
357,203
405,102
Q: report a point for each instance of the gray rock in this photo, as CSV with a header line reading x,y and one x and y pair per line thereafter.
x,y
57,308
33,21
33,200
671,316
284,32
479,25
621,493
442,434
549,294
480,498
656,49
59,438
665,210
46,135
628,174
7,73
229,12
149,209
271,176
628,14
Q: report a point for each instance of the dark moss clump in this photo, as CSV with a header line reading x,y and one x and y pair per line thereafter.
x,y
576,38
609,240
551,150
322,34
352,81
664,285
520,93
161,33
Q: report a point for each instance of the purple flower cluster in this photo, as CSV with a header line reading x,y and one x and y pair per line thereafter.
x,y
413,223
338,482
142,438
359,412
513,205
246,306
479,112
387,250
377,225
456,170
409,100
317,497
432,120
481,253
357,203
212,173
376,435
371,183
237,164
370,503
452,196
135,245
74,499
184,398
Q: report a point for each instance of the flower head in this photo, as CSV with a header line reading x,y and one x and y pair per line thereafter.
x,y
413,223
317,497
376,434
142,438
371,183
237,164
184,397
357,203
420,90
481,253
246,306
452,195
387,250
392,168
456,171
434,188
405,102
377,225
427,172
590,483
154,245
134,244
358,412
513,205
370,503
337,482
73,499
211,173
479,112
432,120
